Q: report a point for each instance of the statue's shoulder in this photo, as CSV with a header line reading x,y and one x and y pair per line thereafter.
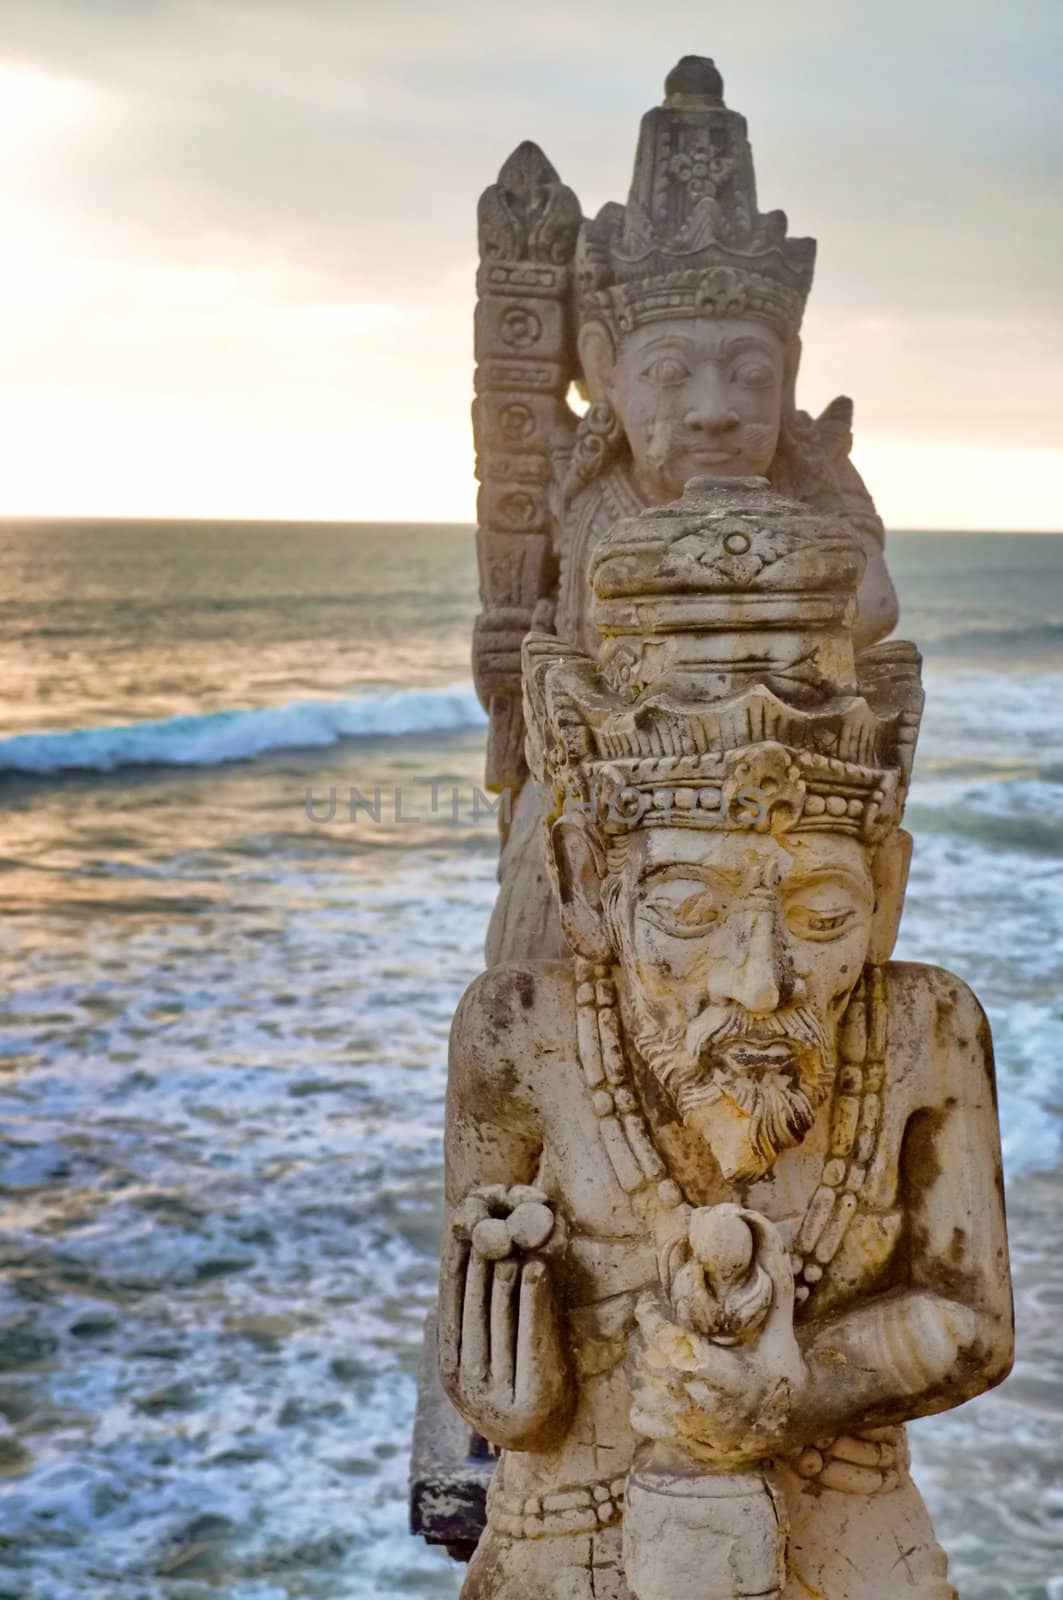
x,y
916,984
938,1031
585,511
514,1019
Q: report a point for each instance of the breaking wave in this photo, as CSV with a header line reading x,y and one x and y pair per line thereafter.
x,y
233,735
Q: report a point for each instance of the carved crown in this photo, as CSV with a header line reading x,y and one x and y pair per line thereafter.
x,y
727,666
691,238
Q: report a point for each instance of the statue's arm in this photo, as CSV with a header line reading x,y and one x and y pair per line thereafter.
x,y
945,1333
501,1347
492,1133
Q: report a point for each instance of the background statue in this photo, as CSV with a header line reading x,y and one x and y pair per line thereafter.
x,y
678,318
723,1184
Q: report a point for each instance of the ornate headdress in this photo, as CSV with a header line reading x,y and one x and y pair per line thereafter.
x,y
690,238
726,693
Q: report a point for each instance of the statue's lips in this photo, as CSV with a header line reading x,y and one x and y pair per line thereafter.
x,y
757,1055
707,457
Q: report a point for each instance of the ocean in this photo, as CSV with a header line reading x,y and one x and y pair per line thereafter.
x,y
227,991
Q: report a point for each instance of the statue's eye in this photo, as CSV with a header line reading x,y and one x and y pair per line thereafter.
x,y
812,923
754,374
666,371
684,915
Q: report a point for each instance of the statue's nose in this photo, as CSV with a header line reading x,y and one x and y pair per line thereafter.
x,y
752,969
711,418
711,411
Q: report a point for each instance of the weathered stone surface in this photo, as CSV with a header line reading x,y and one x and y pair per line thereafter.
x,y
765,1226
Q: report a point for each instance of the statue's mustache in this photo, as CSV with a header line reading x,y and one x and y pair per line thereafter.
x,y
668,438
717,1026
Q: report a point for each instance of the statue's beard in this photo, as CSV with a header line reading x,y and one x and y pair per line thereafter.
x,y
775,1071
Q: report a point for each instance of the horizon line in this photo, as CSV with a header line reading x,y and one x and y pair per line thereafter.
x,y
95,518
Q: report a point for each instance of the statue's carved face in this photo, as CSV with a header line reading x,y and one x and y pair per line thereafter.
x,y
698,395
738,952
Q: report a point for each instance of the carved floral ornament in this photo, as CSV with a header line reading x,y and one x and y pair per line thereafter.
x,y
529,214
516,421
520,327
701,167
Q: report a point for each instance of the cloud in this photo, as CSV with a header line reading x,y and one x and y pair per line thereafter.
x,y
353,137
210,202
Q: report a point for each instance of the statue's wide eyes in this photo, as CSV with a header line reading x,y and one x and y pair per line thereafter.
x,y
810,922
683,910
754,374
666,371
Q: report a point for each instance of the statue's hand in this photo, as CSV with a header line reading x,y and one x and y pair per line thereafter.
x,y
726,1406
502,1356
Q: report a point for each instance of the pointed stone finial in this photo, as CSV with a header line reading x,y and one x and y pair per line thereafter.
x,y
529,214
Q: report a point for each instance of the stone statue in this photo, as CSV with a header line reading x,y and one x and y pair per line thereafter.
x,y
678,318
724,1203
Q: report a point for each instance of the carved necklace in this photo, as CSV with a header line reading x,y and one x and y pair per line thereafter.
x,y
856,1116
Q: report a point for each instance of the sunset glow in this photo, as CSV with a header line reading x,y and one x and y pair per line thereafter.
x,y
239,254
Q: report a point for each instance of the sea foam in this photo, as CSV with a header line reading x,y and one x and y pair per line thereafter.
x,y
238,735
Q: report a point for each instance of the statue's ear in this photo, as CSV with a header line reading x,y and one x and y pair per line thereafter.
x,y
579,865
597,355
889,873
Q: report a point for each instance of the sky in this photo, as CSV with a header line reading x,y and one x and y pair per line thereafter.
x,y
239,244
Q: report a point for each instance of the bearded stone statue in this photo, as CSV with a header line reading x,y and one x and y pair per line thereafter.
x,y
723,1183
